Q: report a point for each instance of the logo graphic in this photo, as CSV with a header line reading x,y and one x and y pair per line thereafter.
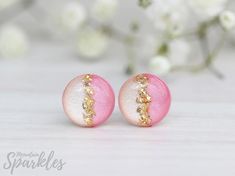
x,y
47,161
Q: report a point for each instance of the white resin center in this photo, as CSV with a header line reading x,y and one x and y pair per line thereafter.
x,y
74,100
129,105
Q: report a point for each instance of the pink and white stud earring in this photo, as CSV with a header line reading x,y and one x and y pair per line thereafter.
x,y
88,100
144,100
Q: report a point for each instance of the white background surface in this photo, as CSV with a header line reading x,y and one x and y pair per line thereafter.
x,y
196,138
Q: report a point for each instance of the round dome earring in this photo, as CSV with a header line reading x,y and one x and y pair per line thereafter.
x,y
144,100
88,100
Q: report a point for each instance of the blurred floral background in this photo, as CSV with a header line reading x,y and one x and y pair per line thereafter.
x,y
161,36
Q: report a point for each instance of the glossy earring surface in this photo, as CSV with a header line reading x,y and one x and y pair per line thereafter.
x,y
88,100
144,100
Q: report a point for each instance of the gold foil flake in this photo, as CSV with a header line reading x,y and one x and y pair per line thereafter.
x,y
88,102
143,80
143,100
87,78
89,90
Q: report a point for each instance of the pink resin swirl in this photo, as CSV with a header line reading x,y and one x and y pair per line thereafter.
x,y
160,98
104,99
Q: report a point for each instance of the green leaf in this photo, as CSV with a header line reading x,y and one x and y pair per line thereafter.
x,y
145,3
163,49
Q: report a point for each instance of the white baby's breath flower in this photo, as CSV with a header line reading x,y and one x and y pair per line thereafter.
x,y
91,43
168,15
13,41
6,3
104,10
207,8
159,65
227,20
72,16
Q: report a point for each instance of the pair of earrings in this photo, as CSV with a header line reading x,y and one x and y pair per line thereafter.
x,y
144,100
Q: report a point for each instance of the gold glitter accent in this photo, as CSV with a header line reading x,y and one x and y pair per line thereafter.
x,y
143,100
88,102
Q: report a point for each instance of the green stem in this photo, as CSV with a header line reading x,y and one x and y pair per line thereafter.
x,y
208,55
117,34
208,61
